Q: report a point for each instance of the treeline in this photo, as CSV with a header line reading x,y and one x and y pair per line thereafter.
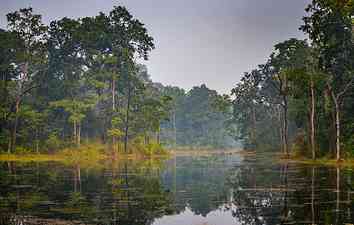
x,y
74,79
301,99
78,80
198,118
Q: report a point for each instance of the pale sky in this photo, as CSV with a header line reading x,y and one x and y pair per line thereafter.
x,y
197,41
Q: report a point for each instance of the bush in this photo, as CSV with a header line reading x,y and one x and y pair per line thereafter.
x,y
154,149
53,142
22,150
349,147
299,146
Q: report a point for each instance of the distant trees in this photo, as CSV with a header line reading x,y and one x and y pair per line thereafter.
x,y
197,118
246,104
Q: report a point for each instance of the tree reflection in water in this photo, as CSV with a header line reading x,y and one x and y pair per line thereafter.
x,y
300,195
118,194
223,188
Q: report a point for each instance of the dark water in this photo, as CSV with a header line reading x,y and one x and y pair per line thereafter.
x,y
217,190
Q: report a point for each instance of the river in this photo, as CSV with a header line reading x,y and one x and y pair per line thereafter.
x,y
188,190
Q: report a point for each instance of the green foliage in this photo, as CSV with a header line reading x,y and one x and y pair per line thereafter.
x,y
53,142
22,150
154,149
197,118
297,76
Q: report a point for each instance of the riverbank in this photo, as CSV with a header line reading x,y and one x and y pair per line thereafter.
x,y
95,153
88,153
207,152
319,162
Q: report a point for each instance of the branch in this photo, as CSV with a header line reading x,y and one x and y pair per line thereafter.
x,y
28,90
345,88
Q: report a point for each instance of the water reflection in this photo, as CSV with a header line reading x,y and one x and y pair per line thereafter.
x,y
121,193
218,190
291,194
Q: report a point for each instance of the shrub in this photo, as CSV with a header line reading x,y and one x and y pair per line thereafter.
x,y
53,142
22,150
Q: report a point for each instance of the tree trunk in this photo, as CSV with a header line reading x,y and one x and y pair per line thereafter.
x,y
127,120
337,132
285,121
37,140
253,132
113,108
174,128
14,130
113,94
312,120
9,146
158,135
281,131
75,133
337,121
79,134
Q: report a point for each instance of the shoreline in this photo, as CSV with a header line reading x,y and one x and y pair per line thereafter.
x,y
317,162
75,155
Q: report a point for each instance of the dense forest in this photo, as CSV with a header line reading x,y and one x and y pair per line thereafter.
x,y
87,136
80,80
301,98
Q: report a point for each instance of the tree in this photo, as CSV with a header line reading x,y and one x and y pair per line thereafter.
x,y
169,127
329,26
288,57
30,61
76,110
8,51
245,104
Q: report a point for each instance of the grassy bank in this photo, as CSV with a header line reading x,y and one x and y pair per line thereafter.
x,y
95,153
318,162
87,154
205,151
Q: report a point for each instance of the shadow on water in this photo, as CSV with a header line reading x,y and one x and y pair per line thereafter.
x,y
214,190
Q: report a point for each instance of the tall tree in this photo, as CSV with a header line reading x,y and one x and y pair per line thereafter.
x,y
329,26
30,62
288,57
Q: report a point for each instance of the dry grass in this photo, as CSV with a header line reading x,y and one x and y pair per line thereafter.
x,y
30,158
88,154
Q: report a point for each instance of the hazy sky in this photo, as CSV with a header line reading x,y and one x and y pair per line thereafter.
x,y
197,41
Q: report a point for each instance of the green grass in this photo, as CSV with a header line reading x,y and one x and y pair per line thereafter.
x,y
87,155
30,158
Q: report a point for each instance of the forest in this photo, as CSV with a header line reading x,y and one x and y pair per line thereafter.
x,y
81,80
89,137
301,98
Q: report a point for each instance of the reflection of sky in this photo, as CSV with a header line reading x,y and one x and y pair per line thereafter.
x,y
198,41
187,217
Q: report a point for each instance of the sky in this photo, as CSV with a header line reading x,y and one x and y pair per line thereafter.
x,y
210,42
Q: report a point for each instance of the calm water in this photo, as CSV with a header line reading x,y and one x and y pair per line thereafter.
x,y
217,190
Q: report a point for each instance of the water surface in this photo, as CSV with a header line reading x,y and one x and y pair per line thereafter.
x,y
199,190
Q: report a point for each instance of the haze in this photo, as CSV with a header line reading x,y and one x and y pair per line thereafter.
x,y
199,41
